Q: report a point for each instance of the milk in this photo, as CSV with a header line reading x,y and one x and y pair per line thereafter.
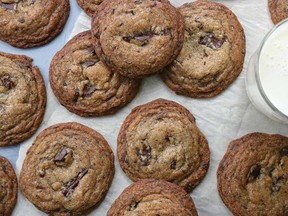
x,y
273,68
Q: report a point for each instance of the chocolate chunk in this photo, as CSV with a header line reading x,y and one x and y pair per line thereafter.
x,y
7,6
144,154
7,82
76,95
69,188
138,2
173,165
284,152
88,90
211,41
88,63
133,206
21,20
60,157
253,173
130,12
91,50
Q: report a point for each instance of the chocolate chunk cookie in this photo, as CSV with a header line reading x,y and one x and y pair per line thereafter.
x,y
278,10
22,98
253,175
8,187
89,6
153,197
83,84
31,23
67,170
137,38
213,52
160,140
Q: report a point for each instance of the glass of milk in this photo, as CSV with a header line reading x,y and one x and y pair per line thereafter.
x,y
267,74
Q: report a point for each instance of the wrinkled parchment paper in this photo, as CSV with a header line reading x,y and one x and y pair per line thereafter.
x,y
222,118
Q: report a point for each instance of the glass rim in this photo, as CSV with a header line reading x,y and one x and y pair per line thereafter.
x,y
258,81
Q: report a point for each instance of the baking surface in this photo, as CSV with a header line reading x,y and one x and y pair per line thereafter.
x,y
221,119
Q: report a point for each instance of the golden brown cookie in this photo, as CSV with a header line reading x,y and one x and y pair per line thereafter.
x,y
152,197
278,10
137,38
31,23
22,98
89,6
67,170
8,187
213,52
83,84
160,140
253,175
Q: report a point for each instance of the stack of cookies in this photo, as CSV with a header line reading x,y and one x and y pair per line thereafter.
x,y
198,49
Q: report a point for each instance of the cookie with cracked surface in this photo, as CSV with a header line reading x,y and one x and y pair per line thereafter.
x,y
213,52
89,6
252,176
31,23
153,197
8,187
160,140
278,10
137,38
84,85
22,98
67,170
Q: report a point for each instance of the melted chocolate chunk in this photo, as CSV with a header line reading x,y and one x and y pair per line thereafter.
x,y
211,41
7,6
7,82
69,188
173,165
88,90
60,157
21,20
284,152
144,154
88,64
138,2
133,206
253,173
143,38
91,50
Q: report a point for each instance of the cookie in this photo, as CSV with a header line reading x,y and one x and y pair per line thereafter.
x,y
278,10
31,23
89,6
137,38
8,187
153,197
83,84
22,98
252,176
213,52
67,170
160,140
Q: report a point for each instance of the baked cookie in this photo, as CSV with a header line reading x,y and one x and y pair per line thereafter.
x,y
213,52
83,84
31,23
137,38
67,170
153,197
8,187
252,176
278,10
89,6
22,98
160,140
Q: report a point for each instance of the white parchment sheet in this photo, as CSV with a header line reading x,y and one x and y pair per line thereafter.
x,y
222,118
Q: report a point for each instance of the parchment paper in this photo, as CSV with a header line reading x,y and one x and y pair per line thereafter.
x,y
222,118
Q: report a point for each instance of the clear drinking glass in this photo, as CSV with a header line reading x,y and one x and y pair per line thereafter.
x,y
254,86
